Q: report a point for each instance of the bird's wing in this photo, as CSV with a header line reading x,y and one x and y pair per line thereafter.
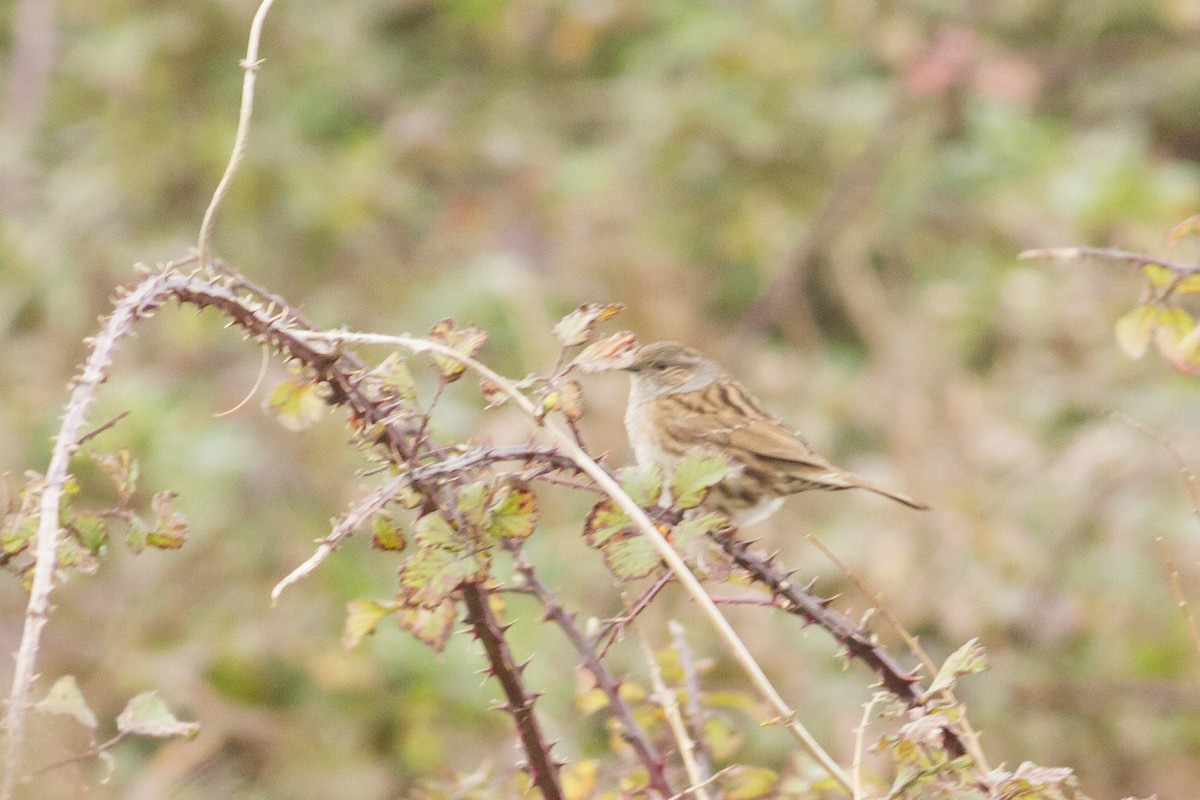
x,y
750,431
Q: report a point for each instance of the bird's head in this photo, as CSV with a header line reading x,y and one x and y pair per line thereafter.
x,y
669,367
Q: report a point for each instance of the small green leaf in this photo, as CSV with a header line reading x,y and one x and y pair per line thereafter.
x,y
749,783
630,556
385,535
393,378
1134,330
170,527
362,618
148,715
296,403
642,483
65,698
513,511
966,660
122,470
465,340
694,475
136,538
692,539
91,531
576,327
431,626
1170,327
605,521
721,737
17,534
608,354
445,559
472,504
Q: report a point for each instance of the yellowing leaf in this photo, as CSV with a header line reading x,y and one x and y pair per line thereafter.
x,y
148,715
576,327
386,536
615,352
362,618
431,626
296,403
749,783
591,701
1134,329
1190,226
444,560
170,527
513,511
392,378
1185,355
465,340
579,779
122,469
1158,275
65,698
1171,326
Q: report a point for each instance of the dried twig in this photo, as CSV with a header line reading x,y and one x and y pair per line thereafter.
x,y
250,65
1140,259
668,701
1177,592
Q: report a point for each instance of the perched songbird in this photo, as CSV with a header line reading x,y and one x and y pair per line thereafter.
x,y
679,400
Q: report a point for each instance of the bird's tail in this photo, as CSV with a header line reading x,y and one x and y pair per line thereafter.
x,y
853,481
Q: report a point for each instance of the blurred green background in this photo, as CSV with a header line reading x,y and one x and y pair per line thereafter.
x,y
828,196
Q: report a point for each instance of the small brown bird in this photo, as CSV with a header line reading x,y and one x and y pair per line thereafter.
x,y
680,400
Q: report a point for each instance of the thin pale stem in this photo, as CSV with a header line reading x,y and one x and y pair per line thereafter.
x,y
250,65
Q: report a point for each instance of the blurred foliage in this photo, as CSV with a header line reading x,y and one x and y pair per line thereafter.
x,y
828,196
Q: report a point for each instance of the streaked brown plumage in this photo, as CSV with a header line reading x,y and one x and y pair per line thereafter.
x,y
679,400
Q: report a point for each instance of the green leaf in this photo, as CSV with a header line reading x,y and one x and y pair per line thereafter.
x,y
1134,330
630,556
1171,326
464,340
148,715
513,511
17,534
605,521
966,660
170,527
691,538
749,783
65,698
393,378
643,483
472,504
576,328
431,626
296,403
122,470
693,476
444,560
385,535
722,738
608,354
362,618
91,531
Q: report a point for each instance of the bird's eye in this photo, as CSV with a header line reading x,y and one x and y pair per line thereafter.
x,y
661,366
